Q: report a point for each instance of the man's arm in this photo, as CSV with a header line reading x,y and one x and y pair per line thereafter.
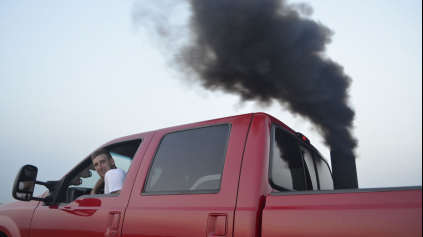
x,y
97,186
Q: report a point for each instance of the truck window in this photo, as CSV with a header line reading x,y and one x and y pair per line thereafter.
x,y
325,175
83,178
312,184
286,165
121,161
189,162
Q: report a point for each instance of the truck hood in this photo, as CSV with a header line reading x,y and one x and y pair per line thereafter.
x,y
19,204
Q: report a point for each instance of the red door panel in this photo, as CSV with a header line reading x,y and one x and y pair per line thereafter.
x,y
85,217
94,215
189,215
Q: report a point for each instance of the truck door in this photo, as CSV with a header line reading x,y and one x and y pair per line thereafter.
x,y
82,214
187,183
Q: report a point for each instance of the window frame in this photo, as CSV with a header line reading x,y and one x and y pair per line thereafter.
x,y
186,192
318,155
87,162
312,153
301,143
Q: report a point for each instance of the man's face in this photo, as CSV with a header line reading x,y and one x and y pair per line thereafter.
x,y
102,164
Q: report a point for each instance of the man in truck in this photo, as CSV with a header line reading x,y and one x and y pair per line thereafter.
x,y
111,177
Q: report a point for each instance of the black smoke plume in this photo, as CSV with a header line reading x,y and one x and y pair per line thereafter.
x,y
267,50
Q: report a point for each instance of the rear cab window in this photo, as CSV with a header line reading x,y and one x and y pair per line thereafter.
x,y
325,175
287,169
310,169
296,166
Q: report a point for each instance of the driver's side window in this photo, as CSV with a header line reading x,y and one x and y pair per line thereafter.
x,y
82,179
91,177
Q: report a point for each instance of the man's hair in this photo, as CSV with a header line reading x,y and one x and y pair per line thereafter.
x,y
101,152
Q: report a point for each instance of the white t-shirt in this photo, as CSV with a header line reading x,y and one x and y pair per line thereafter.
x,y
113,180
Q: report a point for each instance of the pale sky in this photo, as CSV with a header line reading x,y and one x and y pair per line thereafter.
x,y
77,74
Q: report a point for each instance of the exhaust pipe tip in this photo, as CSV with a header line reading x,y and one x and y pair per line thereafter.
x,y
344,169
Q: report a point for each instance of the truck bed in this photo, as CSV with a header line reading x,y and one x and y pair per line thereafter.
x,y
364,212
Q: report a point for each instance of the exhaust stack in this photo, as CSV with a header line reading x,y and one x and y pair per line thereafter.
x,y
344,170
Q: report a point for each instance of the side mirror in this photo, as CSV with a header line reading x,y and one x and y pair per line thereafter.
x,y
23,188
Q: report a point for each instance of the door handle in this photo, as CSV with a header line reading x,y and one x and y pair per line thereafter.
x,y
112,224
217,225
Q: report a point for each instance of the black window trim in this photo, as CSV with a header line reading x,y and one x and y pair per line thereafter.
x,y
186,192
314,164
313,154
117,144
317,155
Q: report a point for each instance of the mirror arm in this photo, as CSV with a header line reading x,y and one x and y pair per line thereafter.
x,y
25,181
48,185
46,200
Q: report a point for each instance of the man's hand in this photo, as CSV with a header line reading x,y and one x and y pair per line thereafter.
x,y
97,186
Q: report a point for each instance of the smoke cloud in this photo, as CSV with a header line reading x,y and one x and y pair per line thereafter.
x,y
266,51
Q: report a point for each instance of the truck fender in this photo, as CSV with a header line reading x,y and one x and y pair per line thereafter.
x,y
9,227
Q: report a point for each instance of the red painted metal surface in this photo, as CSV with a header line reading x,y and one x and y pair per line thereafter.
x,y
254,182
89,216
187,215
254,185
380,214
15,218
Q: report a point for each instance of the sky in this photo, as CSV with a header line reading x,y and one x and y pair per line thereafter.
x,y
77,74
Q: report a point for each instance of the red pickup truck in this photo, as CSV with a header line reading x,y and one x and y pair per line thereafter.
x,y
242,176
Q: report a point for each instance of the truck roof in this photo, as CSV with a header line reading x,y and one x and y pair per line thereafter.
x,y
271,118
